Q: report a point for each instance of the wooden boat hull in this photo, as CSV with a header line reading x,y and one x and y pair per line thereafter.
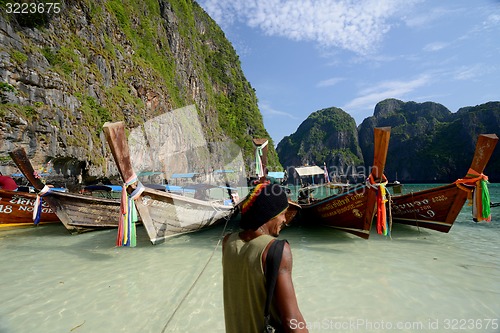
x,y
347,212
438,208
16,209
169,214
78,212
435,209
82,213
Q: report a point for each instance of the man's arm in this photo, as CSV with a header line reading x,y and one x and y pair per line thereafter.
x,y
285,298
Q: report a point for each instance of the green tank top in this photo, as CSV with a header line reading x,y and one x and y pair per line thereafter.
x,y
244,284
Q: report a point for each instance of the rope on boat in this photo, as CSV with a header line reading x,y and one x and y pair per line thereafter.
x,y
227,218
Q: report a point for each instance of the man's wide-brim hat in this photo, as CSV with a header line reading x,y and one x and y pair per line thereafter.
x,y
263,203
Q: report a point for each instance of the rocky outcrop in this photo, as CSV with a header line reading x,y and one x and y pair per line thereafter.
x,y
428,142
326,136
63,76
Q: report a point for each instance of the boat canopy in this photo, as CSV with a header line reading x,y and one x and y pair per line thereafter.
x,y
309,171
223,171
20,175
276,174
107,188
149,173
59,189
184,175
203,186
168,188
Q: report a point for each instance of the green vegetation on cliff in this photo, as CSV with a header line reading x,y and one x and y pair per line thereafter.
x,y
326,136
132,60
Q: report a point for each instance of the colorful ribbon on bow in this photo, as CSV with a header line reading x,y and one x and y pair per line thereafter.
x,y
128,214
480,199
259,168
37,209
383,226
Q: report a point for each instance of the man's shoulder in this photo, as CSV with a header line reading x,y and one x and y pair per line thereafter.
x,y
226,239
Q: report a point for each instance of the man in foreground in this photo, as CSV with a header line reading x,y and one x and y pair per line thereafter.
x,y
243,258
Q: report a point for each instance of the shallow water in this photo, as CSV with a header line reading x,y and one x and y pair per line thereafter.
x,y
418,280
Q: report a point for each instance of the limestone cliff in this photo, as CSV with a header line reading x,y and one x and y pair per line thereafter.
x,y
326,136
63,75
428,142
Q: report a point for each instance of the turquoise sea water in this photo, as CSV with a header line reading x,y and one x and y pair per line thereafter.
x,y
416,281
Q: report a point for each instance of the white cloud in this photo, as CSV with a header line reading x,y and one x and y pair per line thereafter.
x,y
469,72
330,82
357,26
492,21
436,46
267,110
426,17
369,97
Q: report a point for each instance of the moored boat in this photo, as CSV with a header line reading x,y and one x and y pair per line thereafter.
x,y
306,176
79,213
437,208
164,214
353,210
16,210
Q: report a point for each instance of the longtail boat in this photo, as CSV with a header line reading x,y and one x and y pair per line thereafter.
x,y
353,210
79,213
437,208
163,214
16,210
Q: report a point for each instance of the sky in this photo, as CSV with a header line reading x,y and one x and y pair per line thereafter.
x,y
302,56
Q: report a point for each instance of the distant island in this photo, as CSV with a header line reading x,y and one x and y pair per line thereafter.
x,y
428,142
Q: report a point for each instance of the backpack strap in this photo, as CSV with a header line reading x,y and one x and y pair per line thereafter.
x,y
273,261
